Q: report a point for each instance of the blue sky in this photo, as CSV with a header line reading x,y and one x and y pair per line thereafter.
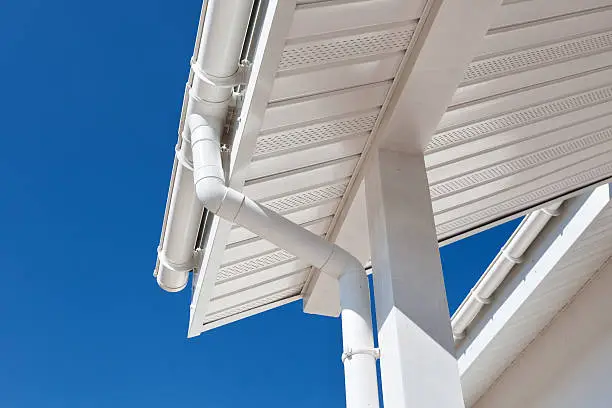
x,y
91,95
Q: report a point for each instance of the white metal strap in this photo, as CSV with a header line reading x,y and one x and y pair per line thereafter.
x,y
240,77
459,336
511,258
171,265
552,213
184,161
180,154
479,299
374,352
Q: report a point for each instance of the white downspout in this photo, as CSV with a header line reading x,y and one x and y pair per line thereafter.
x,y
215,68
359,355
497,271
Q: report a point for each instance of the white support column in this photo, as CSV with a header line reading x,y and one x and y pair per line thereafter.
x,y
449,36
418,364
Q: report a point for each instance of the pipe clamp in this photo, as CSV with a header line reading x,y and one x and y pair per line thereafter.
x,y
479,299
347,355
551,212
173,266
511,258
240,77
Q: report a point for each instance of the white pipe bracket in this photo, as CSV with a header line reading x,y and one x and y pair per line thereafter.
x,y
198,257
511,258
212,106
183,161
347,355
459,336
240,77
179,149
479,299
551,212
173,266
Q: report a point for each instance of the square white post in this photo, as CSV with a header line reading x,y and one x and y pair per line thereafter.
x,y
417,355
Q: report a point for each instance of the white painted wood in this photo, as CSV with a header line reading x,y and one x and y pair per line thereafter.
x,y
418,365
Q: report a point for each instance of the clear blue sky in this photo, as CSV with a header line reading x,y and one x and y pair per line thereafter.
x,y
91,95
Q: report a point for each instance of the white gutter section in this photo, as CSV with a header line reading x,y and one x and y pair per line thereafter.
x,y
215,70
508,256
359,355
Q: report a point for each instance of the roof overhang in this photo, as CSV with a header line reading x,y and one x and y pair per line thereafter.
x,y
511,104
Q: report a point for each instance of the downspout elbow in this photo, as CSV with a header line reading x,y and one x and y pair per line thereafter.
x,y
354,289
218,198
208,175
210,188
341,263
211,192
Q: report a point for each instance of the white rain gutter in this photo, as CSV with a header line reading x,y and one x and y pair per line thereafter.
x,y
508,256
198,182
215,70
359,355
